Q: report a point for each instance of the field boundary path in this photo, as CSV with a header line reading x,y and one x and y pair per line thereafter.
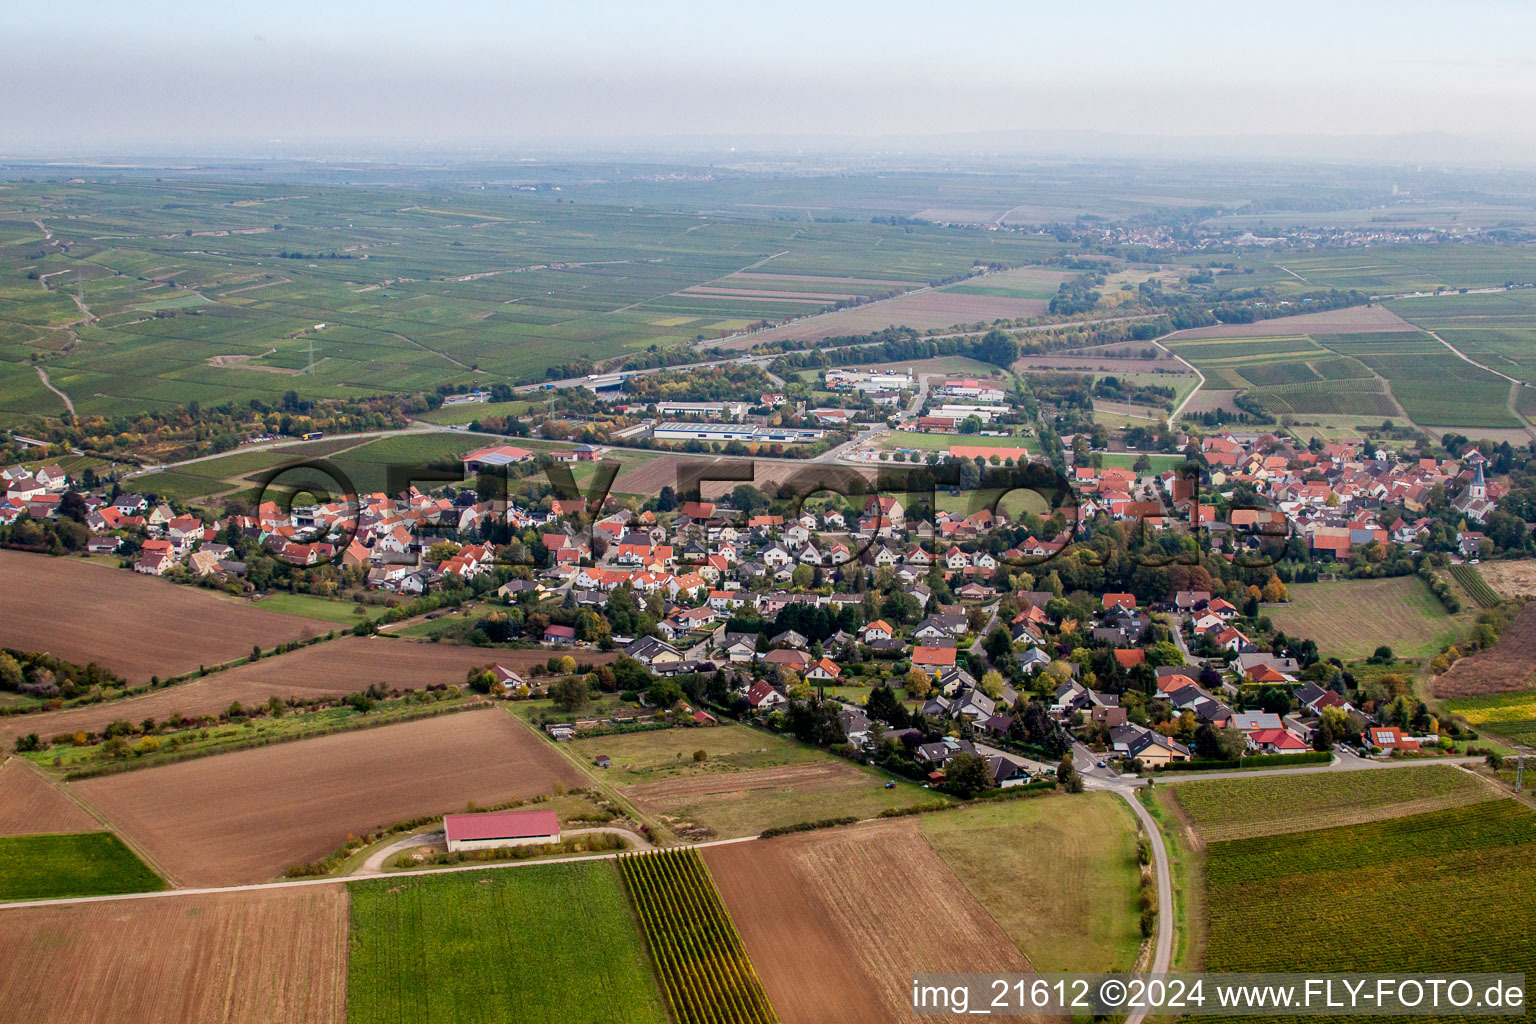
x,y
42,375
1162,954
1199,383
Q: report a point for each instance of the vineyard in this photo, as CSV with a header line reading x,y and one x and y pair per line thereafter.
x,y
1447,891
1473,583
1511,715
1335,396
705,971
1227,809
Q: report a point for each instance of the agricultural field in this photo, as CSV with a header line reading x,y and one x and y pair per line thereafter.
x,y
245,816
421,948
1436,387
1355,319
1457,885
1512,578
192,298
815,911
749,780
705,972
331,669
40,867
1502,668
1273,805
347,613
1511,715
31,805
1012,294
1471,581
272,957
1350,618
133,624
1060,877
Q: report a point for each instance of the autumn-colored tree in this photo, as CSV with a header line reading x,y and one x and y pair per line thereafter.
x,y
1274,590
918,685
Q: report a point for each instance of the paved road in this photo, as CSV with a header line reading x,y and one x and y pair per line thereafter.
x,y
1162,951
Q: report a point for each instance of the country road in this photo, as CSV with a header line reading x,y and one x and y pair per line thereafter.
x,y
43,376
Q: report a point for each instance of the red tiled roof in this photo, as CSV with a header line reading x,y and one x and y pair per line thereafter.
x,y
501,825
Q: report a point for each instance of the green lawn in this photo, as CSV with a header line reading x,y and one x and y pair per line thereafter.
x,y
345,612
1350,618
1059,876
668,753
548,942
87,864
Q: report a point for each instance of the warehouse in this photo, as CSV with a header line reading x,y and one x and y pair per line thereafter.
x,y
747,433
502,828
494,458
703,410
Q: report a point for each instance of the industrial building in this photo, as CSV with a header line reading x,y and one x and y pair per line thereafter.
x,y
703,410
747,433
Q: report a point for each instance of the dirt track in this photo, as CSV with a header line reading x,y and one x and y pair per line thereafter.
x,y
244,817
133,624
29,805
272,957
837,922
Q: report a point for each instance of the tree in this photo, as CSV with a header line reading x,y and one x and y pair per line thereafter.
x,y
570,694
663,693
1067,777
998,348
10,672
567,664
883,705
965,775
991,684
802,576
1274,591
1275,700
1382,655
918,684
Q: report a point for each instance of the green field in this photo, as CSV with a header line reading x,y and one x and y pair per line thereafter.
x,y
1477,588
668,753
419,284
1222,809
1059,876
1511,715
1350,618
345,612
1446,891
705,971
86,864
555,942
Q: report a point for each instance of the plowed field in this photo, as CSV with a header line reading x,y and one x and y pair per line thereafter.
x,y
133,624
246,816
837,922
272,957
29,805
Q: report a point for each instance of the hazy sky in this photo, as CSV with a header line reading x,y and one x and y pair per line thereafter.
x,y
219,77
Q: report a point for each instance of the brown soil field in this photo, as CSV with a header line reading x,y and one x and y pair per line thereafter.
x,y
272,957
1505,667
325,670
876,284
133,624
662,471
244,817
723,786
30,805
929,310
1510,579
1351,320
822,298
1100,364
1210,400
816,913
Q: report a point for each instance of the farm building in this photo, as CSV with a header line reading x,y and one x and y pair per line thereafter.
x,y
502,828
493,458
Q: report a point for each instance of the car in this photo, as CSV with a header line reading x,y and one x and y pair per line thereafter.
x,y
891,784
1103,764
